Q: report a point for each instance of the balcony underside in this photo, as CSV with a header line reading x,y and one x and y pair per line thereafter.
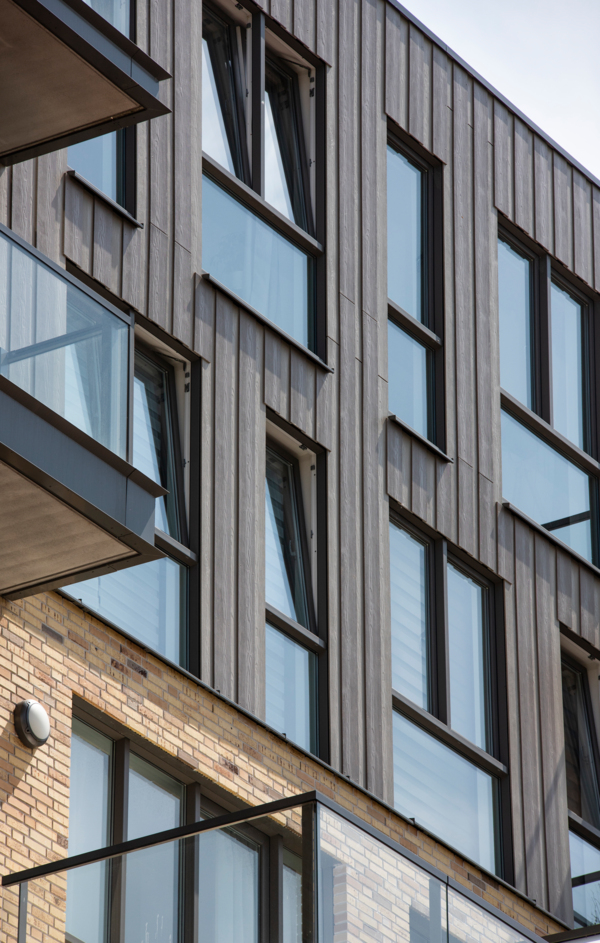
x,y
67,75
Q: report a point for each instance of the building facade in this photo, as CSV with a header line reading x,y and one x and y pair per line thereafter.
x,y
299,458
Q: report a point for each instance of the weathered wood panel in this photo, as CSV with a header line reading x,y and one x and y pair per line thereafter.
x,y
419,85
544,194
504,160
582,228
523,164
396,64
563,210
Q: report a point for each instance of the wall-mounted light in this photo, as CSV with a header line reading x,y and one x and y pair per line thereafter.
x,y
31,723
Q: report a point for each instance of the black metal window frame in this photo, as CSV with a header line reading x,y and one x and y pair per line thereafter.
x,y
436,721
430,331
578,824
251,193
314,638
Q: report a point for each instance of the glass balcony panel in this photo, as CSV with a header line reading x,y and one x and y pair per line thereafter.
x,y
63,347
469,923
367,891
546,486
408,395
228,888
585,875
257,263
292,897
149,602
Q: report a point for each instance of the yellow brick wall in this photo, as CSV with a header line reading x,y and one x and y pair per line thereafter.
x,y
177,715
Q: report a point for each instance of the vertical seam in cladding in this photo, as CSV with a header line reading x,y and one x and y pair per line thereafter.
x,y
545,902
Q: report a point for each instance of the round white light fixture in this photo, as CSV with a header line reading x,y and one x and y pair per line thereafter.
x,y
31,723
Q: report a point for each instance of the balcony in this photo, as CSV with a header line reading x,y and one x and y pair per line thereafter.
x,y
67,75
72,505
296,869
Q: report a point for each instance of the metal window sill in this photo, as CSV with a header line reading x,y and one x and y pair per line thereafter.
x,y
116,207
420,438
550,536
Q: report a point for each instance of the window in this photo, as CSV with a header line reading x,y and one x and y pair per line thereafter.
x,y
442,668
545,373
583,793
260,99
291,643
414,348
149,602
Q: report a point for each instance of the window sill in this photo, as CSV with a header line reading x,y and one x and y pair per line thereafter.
x,y
260,207
264,320
545,431
415,328
452,739
116,207
306,638
420,438
173,548
550,536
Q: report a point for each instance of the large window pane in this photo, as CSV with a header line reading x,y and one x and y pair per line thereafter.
x,y
284,187
153,445
115,11
89,824
228,889
97,161
285,586
514,298
408,386
63,347
445,793
585,875
546,486
148,601
152,875
292,897
567,366
467,656
410,644
290,688
221,134
405,236
257,263
582,779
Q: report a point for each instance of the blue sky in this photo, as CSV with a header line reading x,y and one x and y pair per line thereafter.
x,y
543,55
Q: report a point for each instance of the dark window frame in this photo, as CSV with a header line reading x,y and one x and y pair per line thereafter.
x,y
570,662
430,331
251,192
435,721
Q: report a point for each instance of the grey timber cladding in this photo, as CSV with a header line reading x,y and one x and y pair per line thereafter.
x,y
381,67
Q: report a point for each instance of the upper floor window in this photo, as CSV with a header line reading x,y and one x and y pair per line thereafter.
x,y
119,13
414,347
442,683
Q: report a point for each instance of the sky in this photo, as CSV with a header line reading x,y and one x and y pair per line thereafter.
x,y
542,55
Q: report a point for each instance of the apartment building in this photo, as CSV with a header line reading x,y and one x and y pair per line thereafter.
x,y
299,463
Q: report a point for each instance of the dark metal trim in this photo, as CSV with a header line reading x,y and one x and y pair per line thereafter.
x,y
258,102
581,933
296,631
173,548
415,328
420,438
294,432
440,731
258,205
99,194
585,829
264,320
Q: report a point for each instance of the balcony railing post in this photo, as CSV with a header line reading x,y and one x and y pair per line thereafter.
x,y
22,920
310,812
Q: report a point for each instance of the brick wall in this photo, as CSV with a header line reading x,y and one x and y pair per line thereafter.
x,y
51,650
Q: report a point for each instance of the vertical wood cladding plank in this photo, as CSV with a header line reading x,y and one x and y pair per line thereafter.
x,y
396,66
514,736
23,199
50,203
277,374
207,522
399,465
560,898
5,194
350,582
324,392
251,523
423,483
445,499
563,210
503,160
158,277
332,471
281,10
420,86
304,21
567,595
302,392
349,180
371,185
133,277
506,541
533,799
325,19
225,474
79,225
204,329
485,257
487,522
441,104
183,302
582,228
523,177
464,311
107,247
182,123
596,237
544,193
589,588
